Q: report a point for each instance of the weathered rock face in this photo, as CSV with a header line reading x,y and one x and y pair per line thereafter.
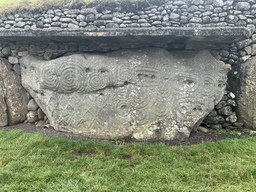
x,y
13,97
243,84
142,94
3,107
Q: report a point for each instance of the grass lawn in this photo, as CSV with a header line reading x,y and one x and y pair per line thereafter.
x,y
34,162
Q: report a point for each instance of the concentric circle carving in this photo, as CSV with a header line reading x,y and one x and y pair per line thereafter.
x,y
97,81
186,82
209,86
71,79
49,78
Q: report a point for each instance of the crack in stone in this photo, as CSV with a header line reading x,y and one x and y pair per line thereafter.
x,y
126,83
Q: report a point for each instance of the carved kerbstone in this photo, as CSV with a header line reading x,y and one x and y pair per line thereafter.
x,y
143,94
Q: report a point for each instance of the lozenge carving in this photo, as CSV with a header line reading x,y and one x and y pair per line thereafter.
x,y
144,94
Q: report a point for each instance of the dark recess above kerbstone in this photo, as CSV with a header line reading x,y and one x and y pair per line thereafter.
x,y
132,37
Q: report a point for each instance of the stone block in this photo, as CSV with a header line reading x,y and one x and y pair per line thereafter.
x,y
32,105
32,117
13,60
242,82
225,111
3,107
243,6
6,51
253,48
12,94
146,94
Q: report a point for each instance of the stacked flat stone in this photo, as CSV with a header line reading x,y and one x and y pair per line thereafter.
x,y
223,116
35,114
181,13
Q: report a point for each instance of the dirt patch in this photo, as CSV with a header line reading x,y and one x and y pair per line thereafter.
x,y
211,136
195,137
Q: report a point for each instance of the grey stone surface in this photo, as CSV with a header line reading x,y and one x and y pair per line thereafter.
x,y
32,105
227,110
243,44
203,129
16,68
221,104
217,126
238,124
32,117
174,16
41,123
223,113
13,60
146,94
3,107
243,6
13,94
20,24
232,118
214,120
242,82
40,114
121,37
6,51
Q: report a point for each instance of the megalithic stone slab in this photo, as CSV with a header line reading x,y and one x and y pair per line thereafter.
x,y
3,107
13,96
146,94
243,84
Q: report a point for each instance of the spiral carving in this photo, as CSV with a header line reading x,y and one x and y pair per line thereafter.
x,y
140,98
71,79
209,85
186,82
97,81
142,116
49,78
124,73
161,109
122,107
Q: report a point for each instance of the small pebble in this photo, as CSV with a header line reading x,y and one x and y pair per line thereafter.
x,y
202,129
238,124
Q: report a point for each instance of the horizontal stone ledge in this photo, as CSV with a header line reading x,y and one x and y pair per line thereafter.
x,y
152,36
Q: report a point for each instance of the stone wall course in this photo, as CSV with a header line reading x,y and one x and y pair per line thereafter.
x,y
221,13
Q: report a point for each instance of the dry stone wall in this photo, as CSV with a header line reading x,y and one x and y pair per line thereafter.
x,y
186,13
178,13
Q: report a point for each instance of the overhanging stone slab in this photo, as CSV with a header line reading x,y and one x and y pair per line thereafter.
x,y
162,37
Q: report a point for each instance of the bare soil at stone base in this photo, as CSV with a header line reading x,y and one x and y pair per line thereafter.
x,y
195,137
